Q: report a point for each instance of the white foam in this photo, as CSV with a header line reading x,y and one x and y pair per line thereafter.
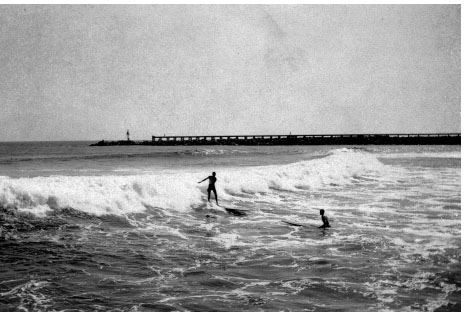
x,y
117,195
39,210
227,240
341,167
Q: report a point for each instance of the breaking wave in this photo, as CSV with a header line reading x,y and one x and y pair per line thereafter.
x,y
179,190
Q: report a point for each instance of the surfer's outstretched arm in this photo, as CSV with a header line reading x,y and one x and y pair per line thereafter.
x,y
203,180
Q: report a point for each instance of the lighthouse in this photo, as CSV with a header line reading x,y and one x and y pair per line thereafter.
x,y
127,135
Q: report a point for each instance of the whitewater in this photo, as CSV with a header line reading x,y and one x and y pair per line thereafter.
x,y
129,228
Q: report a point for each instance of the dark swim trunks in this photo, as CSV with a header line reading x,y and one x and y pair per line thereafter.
x,y
211,188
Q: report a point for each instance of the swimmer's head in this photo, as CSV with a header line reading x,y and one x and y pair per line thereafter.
x,y
213,173
322,211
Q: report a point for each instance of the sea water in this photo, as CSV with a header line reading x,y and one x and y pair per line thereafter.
x,y
129,228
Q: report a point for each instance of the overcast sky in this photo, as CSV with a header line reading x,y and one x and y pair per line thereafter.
x,y
86,72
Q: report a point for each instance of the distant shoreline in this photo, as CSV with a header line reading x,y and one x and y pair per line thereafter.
x,y
340,139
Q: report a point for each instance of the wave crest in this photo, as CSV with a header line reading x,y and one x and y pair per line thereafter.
x,y
119,195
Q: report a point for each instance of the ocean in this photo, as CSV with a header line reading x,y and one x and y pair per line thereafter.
x,y
129,228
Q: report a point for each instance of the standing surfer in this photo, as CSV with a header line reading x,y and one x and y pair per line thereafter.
x,y
324,220
212,180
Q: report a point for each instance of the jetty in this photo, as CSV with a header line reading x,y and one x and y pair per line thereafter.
x,y
300,139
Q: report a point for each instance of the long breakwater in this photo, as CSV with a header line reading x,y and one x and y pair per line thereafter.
x,y
324,139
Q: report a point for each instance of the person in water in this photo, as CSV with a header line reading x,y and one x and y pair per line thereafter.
x,y
211,187
324,219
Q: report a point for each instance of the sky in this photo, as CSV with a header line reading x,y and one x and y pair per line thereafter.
x,y
90,72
